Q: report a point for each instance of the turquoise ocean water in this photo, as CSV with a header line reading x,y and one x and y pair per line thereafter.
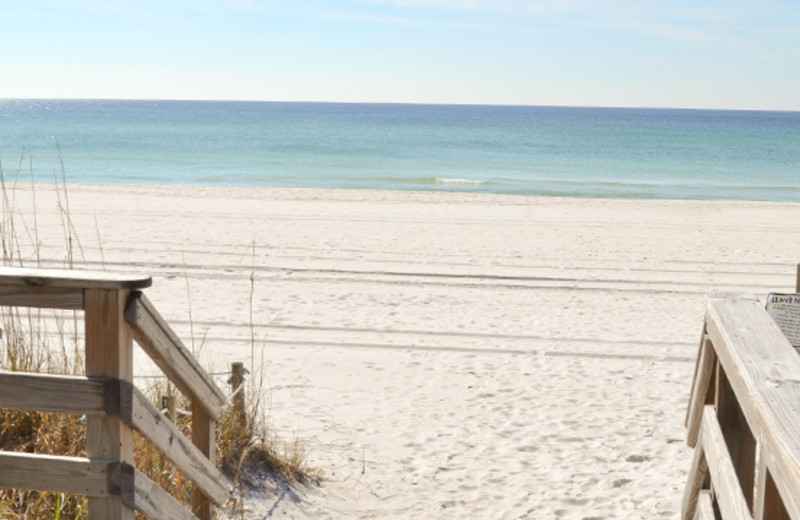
x,y
583,152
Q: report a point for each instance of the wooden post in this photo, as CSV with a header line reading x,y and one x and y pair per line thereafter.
x,y
738,437
769,505
204,437
109,353
236,380
168,404
797,282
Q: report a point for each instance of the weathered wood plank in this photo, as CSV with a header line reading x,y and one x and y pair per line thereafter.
x,y
204,437
142,415
738,437
797,281
764,372
72,278
698,473
49,393
705,507
702,390
109,353
164,347
41,297
57,474
155,503
769,505
731,500
700,346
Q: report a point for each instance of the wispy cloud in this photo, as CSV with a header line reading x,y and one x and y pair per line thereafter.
x,y
730,22
681,20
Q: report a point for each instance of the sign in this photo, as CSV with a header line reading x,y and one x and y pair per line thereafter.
x,y
785,310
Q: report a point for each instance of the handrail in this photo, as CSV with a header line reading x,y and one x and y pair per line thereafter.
x,y
60,289
72,279
165,348
116,314
747,385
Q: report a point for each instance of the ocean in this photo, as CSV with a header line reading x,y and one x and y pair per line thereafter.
x,y
548,151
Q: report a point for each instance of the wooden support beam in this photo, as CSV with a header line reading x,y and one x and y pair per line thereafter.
x,y
236,381
41,297
731,500
109,353
57,474
700,347
49,393
738,438
797,281
204,437
705,506
137,411
164,347
155,503
702,390
698,473
769,504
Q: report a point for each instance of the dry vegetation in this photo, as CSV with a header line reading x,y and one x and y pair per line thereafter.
x,y
49,342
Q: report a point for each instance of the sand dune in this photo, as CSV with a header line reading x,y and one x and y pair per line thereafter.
x,y
448,355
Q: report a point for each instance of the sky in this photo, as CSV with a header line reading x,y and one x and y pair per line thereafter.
x,y
734,54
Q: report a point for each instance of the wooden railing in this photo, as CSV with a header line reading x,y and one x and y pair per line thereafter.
x,y
743,418
115,314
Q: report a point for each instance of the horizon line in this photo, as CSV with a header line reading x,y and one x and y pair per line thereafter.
x,y
407,103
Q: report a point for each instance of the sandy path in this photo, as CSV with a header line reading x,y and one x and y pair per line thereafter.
x,y
449,356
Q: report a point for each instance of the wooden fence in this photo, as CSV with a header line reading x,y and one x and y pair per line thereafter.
x,y
743,418
115,314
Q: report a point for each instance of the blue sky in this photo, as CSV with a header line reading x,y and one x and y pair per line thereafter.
x,y
678,53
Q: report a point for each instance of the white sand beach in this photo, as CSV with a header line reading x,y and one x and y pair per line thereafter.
x,y
446,355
